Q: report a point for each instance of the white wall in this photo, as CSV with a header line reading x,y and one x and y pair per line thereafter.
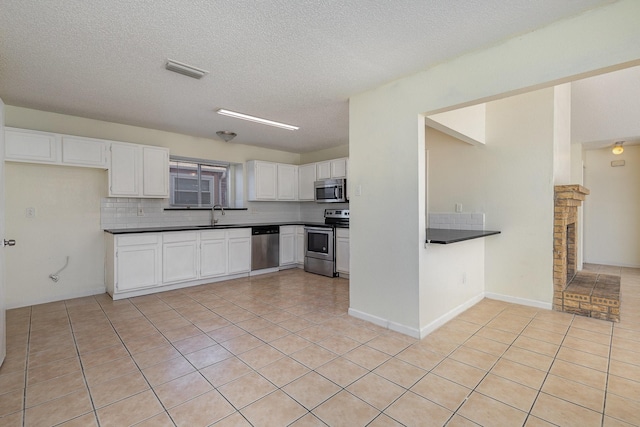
x,y
386,151
67,223
467,124
612,210
562,135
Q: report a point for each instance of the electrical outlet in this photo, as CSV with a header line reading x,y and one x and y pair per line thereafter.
x,y
458,207
140,211
30,212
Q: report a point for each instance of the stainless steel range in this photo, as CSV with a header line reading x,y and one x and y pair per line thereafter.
x,y
320,243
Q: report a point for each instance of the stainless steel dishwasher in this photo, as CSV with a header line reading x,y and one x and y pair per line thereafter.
x,y
265,247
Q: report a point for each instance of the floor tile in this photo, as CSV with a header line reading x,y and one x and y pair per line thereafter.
x,y
226,371
45,391
311,390
487,411
283,371
276,409
261,356
246,389
574,392
376,390
202,411
509,392
344,409
411,410
441,391
208,356
182,389
564,413
108,392
460,373
59,410
623,409
580,374
522,374
11,401
400,372
624,387
166,371
367,357
313,356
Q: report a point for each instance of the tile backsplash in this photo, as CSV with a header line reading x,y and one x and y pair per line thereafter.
x,y
456,221
118,213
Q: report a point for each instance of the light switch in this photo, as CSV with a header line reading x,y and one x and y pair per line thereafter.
x,y
458,207
30,212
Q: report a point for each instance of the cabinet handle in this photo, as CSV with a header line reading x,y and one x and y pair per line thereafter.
x,y
10,242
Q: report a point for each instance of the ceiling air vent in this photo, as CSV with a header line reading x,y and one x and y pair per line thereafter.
x,y
184,69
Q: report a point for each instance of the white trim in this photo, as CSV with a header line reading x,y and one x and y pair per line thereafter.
x,y
403,329
440,321
95,290
521,301
264,271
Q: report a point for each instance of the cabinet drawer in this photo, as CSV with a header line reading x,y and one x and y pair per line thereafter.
x,y
176,236
138,239
212,235
239,232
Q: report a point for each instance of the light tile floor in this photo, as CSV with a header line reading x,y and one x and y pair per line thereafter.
x,y
280,350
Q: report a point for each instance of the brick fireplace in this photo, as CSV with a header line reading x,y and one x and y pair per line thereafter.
x,y
579,292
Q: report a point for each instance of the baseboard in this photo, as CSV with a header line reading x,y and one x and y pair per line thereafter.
x,y
427,329
397,327
95,290
521,301
264,271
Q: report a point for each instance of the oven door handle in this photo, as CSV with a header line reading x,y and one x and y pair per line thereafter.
x,y
336,192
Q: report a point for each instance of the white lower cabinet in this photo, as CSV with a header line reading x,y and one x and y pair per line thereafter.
x,y
239,250
144,263
213,253
287,245
179,256
342,251
137,263
300,248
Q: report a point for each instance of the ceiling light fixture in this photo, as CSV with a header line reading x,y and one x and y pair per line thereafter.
x,y
226,135
618,148
184,69
255,119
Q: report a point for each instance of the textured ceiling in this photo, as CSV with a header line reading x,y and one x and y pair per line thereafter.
x,y
294,61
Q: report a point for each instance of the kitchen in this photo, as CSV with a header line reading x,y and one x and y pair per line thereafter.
x,y
383,136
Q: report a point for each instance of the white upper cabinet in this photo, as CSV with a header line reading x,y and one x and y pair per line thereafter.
x,y
336,168
124,173
306,178
339,168
138,171
31,146
86,152
287,182
323,170
155,172
262,180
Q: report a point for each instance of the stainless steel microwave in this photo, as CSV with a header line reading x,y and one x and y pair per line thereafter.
x,y
331,191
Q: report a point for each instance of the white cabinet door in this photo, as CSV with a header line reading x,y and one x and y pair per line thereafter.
x,y
342,250
262,180
339,168
30,146
239,251
306,178
213,253
87,152
179,256
323,170
124,173
138,262
300,244
287,245
287,182
155,172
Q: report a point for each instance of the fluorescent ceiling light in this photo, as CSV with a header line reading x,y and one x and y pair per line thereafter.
x,y
184,69
255,119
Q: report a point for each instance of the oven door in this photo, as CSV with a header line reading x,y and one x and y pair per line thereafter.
x,y
318,242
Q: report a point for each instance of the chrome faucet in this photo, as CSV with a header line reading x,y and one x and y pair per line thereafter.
x,y
214,221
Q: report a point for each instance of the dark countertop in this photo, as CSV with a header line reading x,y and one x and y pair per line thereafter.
x,y
208,227
443,236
